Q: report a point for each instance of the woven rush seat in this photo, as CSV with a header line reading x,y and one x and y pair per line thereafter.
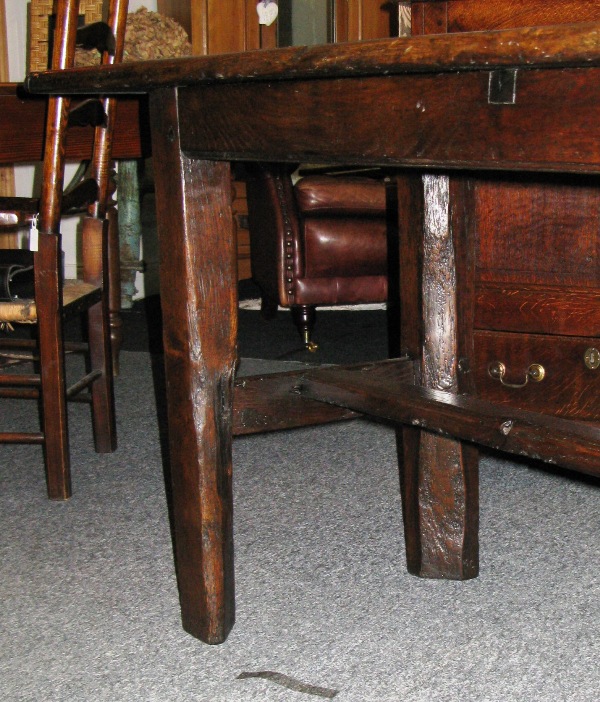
x,y
25,311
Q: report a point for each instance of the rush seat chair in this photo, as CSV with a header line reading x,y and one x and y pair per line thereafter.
x,y
53,298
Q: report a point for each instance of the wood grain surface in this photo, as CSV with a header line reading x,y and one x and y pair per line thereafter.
x,y
553,46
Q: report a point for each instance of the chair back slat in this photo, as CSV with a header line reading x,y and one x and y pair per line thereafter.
x,y
87,113
101,160
63,56
96,36
67,19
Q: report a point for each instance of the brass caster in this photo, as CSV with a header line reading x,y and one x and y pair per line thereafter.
x,y
309,345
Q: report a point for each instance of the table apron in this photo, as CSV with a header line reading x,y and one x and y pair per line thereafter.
x,y
428,121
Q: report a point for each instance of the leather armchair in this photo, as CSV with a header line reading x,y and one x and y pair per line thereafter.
x,y
322,241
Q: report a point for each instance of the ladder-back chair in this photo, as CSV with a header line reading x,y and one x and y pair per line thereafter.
x,y
53,297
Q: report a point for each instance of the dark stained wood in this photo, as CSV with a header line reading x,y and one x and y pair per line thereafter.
x,y
410,236
318,105
435,19
95,271
558,441
417,17
102,267
103,138
429,120
533,242
199,331
80,195
438,291
561,46
409,270
568,389
47,271
114,287
356,20
442,476
19,438
131,136
98,35
273,402
461,206
52,370
543,309
537,230
438,476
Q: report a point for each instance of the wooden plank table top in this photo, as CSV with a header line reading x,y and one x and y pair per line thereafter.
x,y
433,107
558,46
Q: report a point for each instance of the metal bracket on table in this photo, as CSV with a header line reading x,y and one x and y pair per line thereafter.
x,y
502,86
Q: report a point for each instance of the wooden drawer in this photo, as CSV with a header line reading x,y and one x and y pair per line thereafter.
x,y
569,387
541,309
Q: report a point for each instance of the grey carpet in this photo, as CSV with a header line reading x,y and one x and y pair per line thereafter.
x,y
89,607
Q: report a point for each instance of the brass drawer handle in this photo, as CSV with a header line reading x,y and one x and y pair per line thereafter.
x,y
535,372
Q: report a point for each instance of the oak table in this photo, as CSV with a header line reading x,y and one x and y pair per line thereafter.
x,y
433,107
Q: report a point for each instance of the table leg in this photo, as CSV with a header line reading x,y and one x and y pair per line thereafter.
x,y
199,302
439,476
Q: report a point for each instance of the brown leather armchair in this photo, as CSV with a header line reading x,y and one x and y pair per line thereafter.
x,y
322,241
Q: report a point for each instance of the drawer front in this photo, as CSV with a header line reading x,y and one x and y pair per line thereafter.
x,y
537,309
569,388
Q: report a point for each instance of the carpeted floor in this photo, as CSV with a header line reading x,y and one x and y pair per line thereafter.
x,y
89,601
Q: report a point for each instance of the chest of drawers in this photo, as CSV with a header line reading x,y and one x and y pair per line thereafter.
x,y
532,317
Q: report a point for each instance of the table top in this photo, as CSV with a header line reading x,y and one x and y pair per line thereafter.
x,y
557,46
521,99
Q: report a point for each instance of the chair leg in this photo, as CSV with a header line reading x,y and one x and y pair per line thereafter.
x,y
103,408
54,421
52,373
305,317
114,288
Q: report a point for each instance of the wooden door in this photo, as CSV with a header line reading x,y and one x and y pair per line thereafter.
x,y
217,27
357,20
